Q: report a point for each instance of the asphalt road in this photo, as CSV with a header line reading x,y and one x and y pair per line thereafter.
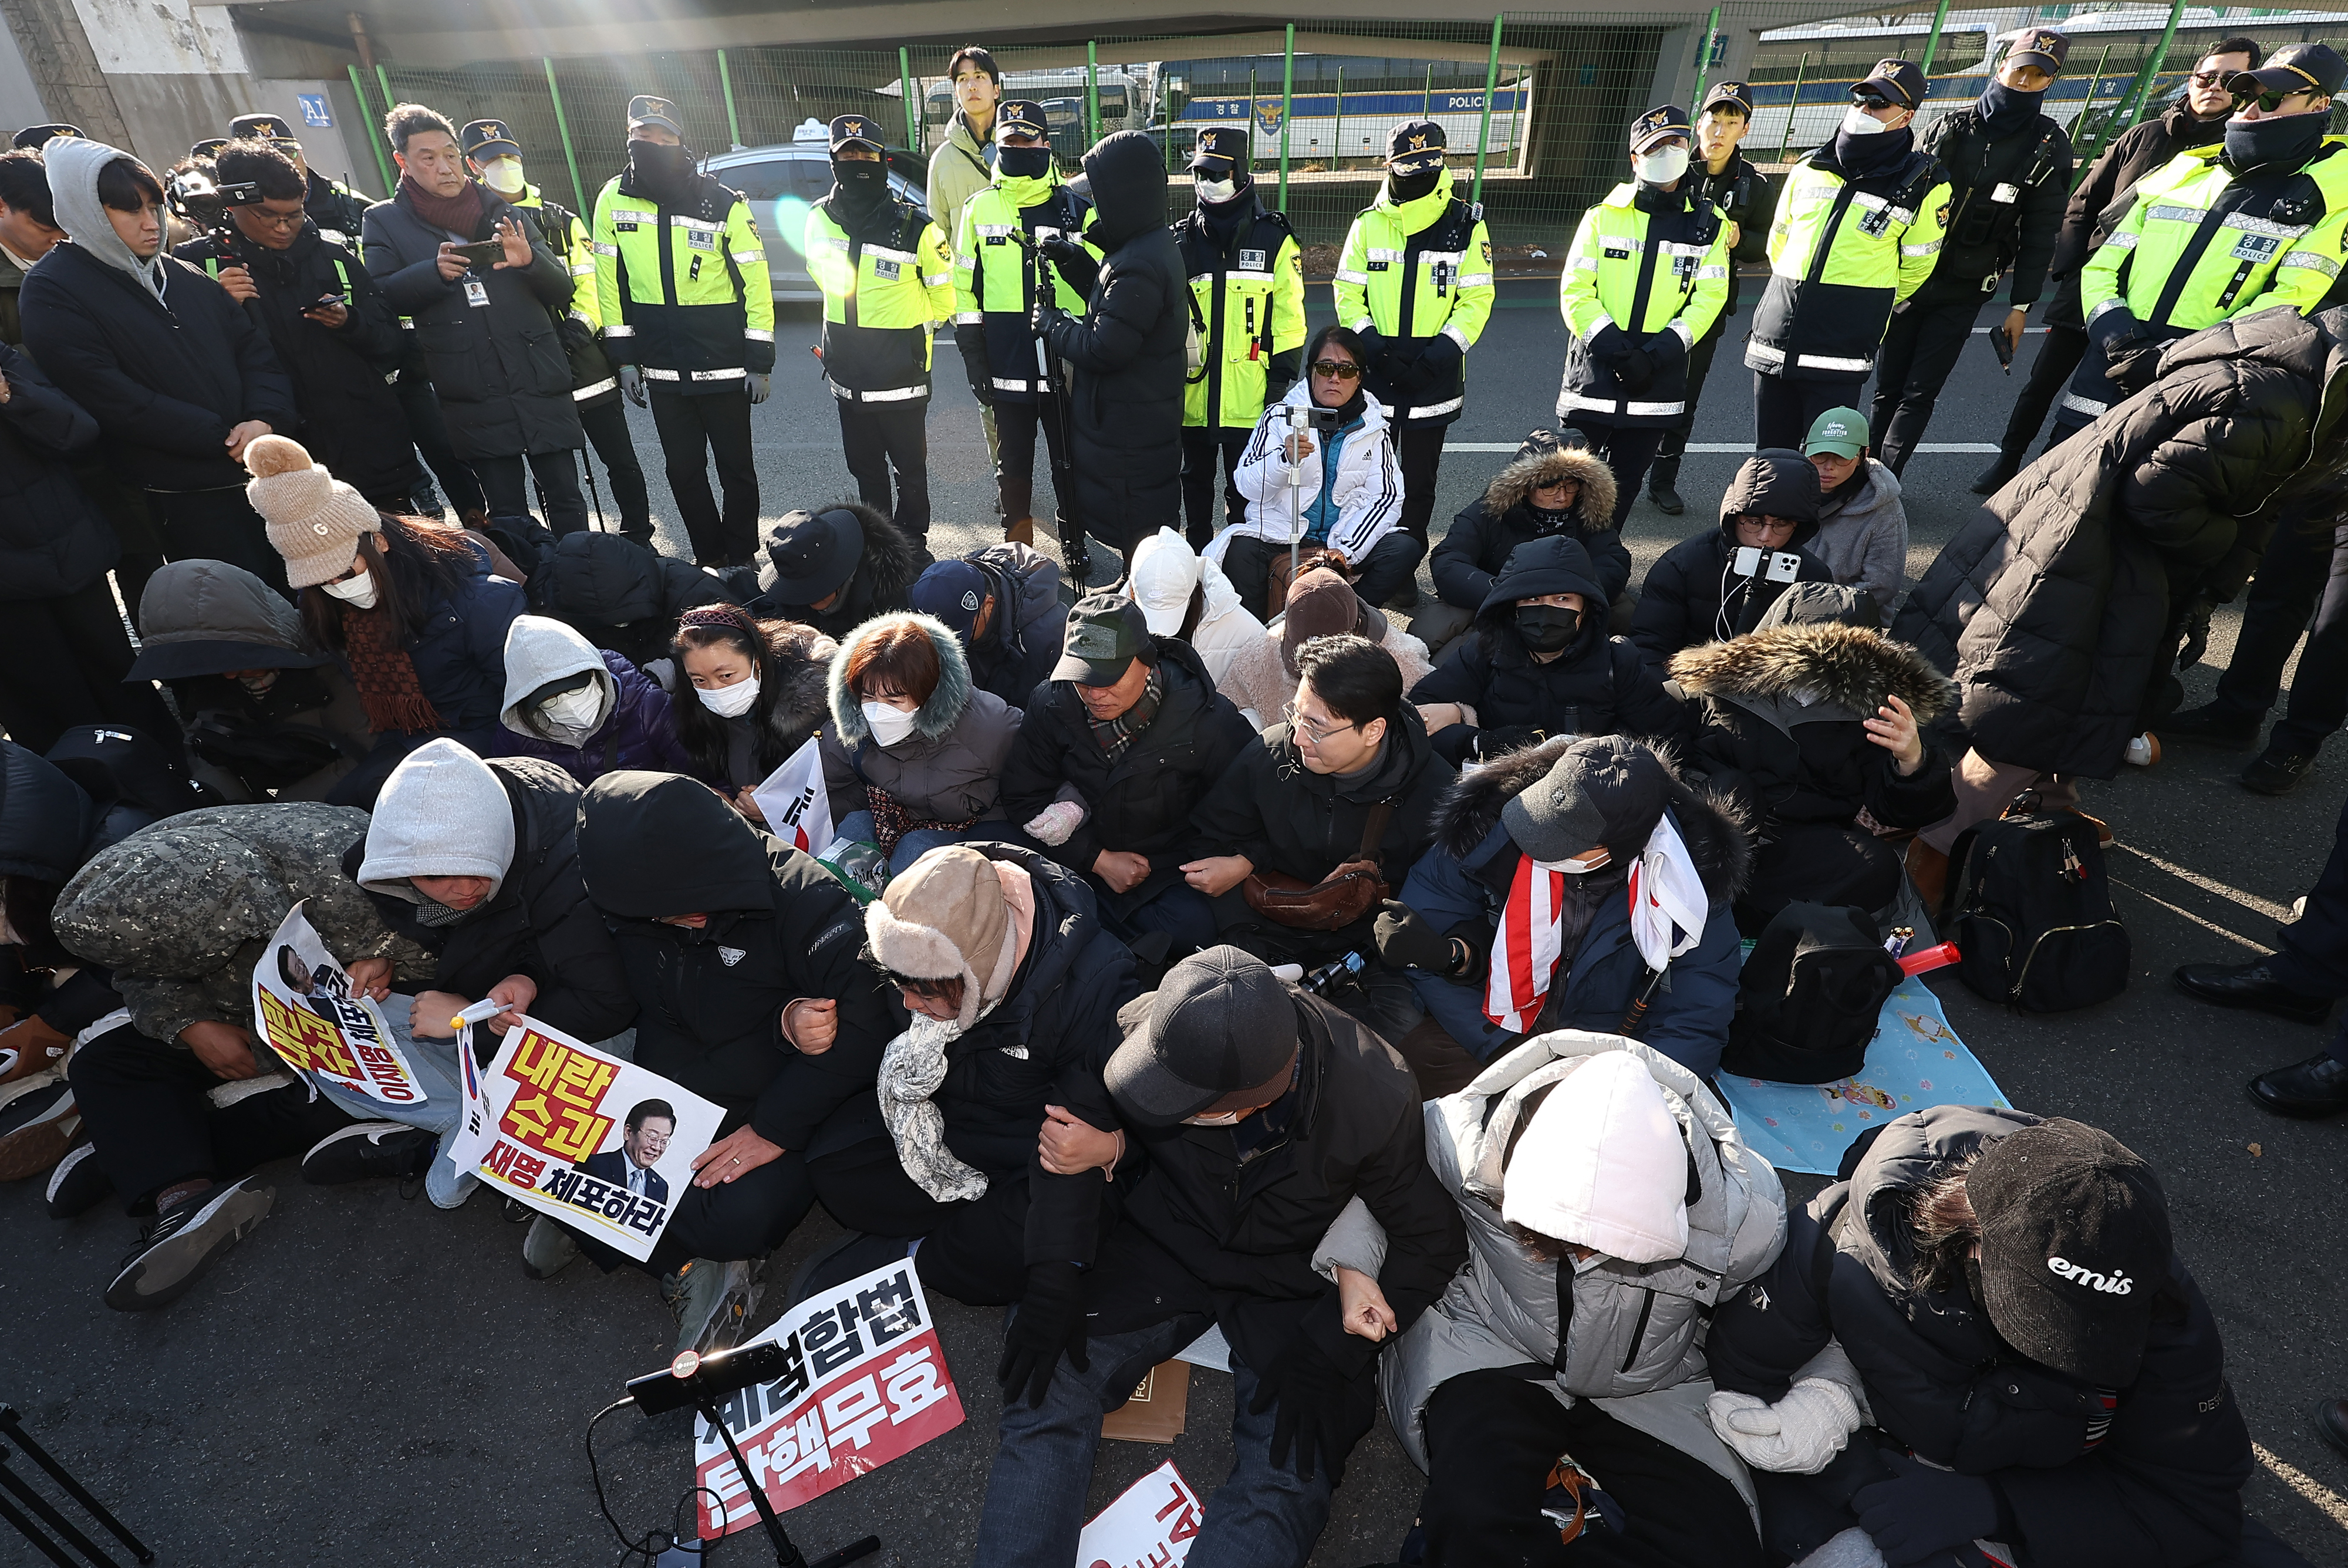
x,y
368,1381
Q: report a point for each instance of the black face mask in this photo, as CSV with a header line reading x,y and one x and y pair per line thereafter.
x,y
661,171
861,183
1023,163
2004,110
2285,141
1411,187
1546,628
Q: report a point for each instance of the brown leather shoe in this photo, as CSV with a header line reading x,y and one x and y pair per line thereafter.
x,y
1928,869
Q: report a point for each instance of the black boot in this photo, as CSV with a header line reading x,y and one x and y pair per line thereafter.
x,y
1661,482
1995,477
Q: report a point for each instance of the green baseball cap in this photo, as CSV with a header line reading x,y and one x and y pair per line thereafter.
x,y
1842,431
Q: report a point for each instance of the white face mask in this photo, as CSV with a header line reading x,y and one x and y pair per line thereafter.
x,y
1663,167
729,701
574,710
503,175
889,725
1218,190
1857,121
358,590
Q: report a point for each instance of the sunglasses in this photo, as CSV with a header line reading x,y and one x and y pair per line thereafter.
x,y
2267,102
2209,78
1336,369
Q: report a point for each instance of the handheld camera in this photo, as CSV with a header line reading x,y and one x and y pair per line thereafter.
x,y
201,202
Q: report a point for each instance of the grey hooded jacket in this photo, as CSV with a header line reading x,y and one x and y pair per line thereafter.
x,y
1635,1340
1863,537
950,768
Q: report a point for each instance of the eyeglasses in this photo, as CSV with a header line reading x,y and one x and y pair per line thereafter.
x,y
1336,369
1311,727
280,221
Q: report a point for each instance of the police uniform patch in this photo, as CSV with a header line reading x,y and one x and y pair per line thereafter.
x,y
701,239
1252,261
886,271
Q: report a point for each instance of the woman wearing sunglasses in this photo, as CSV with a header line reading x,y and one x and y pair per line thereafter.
x,y
2177,264
1339,490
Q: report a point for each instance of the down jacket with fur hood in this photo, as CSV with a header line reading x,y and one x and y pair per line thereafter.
x,y
1461,885
1634,1330
2063,601
741,751
949,770
1692,595
1472,553
1778,715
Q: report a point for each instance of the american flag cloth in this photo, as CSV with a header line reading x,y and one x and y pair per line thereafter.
x,y
1525,957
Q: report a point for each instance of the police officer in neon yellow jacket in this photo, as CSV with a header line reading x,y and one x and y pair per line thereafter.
x,y
1857,231
2256,222
1644,281
495,159
1247,305
681,284
997,276
1415,280
888,285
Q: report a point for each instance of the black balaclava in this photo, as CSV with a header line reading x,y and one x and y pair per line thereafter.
x,y
2006,112
2278,141
1411,187
862,184
1023,163
1863,156
662,172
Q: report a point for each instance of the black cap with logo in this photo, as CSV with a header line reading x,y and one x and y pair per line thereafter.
x,y
261,127
1414,147
1729,95
208,147
488,139
645,109
1106,633
857,130
1658,125
2293,69
1900,83
32,138
1228,143
2043,44
1024,115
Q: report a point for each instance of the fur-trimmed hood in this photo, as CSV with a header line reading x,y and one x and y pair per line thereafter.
x,y
804,701
1850,667
1594,505
891,559
1713,827
935,718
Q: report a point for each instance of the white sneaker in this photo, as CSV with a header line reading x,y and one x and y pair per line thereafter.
x,y
2144,750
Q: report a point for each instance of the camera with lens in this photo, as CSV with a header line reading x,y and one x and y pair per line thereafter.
x,y
201,200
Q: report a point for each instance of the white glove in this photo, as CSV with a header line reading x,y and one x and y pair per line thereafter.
x,y
1796,1436
1056,822
1854,1548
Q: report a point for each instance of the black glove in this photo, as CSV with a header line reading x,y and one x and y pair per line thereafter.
x,y
1079,269
1045,319
2197,633
1311,1393
1408,942
1051,1319
1374,351
2131,359
1438,362
631,383
971,339
1922,1512
1634,370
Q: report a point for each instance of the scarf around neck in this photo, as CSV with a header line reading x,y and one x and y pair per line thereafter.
x,y
388,687
459,214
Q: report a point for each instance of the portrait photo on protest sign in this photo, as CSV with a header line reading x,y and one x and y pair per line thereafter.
x,y
601,1144
866,1383
303,1006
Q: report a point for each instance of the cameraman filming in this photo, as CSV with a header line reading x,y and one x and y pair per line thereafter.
x,y
326,317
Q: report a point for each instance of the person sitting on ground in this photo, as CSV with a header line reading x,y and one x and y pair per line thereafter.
x,y
835,569
913,758
1265,1111
741,956
268,714
1183,596
1115,752
1807,722
1004,603
585,709
1339,492
1597,1160
181,913
1544,841
1706,588
478,864
1539,662
1262,679
1862,523
411,608
1347,776
619,595
49,826
992,1139
2040,1373
1548,489
758,695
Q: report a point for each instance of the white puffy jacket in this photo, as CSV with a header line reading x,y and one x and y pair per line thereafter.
x,y
1367,491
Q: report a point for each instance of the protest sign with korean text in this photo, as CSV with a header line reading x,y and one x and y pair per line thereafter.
x,y
603,1145
303,1006
1150,1525
866,1383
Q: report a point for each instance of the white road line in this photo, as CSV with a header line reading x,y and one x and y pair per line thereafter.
x,y
2210,925
2248,901
2328,1500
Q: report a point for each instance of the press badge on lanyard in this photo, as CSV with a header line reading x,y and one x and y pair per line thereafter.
x,y
2007,193
477,292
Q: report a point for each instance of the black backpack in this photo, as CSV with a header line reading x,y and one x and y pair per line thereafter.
x,y
1808,999
2035,918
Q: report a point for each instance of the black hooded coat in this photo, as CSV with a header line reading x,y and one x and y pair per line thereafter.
x,y
710,1000
619,595
884,572
1129,352
1692,594
48,827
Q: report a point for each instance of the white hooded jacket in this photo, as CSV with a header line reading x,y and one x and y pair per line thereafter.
x,y
1634,1340
1367,488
